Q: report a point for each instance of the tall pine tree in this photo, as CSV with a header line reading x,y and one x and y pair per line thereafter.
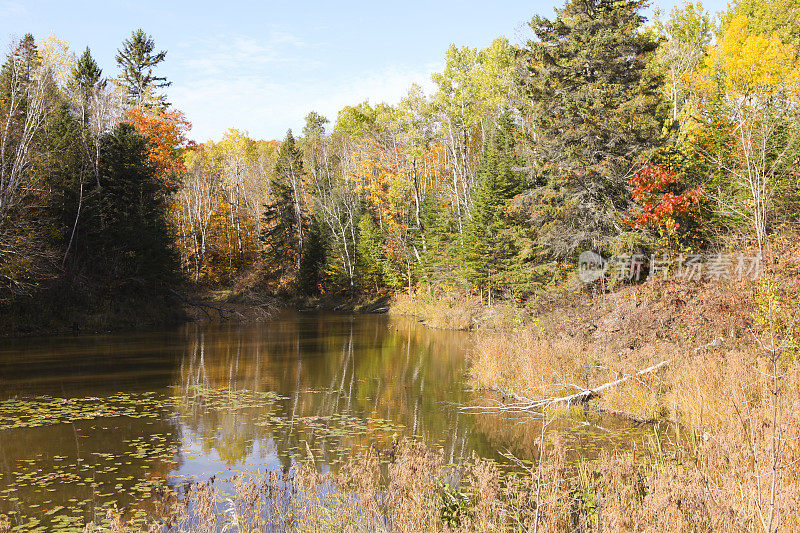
x,y
283,218
137,60
597,112
86,74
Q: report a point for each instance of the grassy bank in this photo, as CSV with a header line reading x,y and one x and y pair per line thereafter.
x,y
727,378
459,311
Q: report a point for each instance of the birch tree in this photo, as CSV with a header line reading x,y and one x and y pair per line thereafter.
x,y
750,133
23,103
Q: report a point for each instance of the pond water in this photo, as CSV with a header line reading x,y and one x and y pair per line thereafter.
x,y
91,421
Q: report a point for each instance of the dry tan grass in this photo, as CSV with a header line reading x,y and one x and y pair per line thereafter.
x,y
737,466
707,487
533,365
458,311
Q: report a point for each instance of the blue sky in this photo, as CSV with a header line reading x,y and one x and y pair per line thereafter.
x,y
262,67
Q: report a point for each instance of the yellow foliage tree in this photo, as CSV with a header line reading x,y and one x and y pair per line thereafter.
x,y
750,103
56,56
750,65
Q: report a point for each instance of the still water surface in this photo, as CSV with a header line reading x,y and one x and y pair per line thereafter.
x,y
94,420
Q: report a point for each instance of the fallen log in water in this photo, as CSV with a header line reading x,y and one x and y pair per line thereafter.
x,y
203,306
522,403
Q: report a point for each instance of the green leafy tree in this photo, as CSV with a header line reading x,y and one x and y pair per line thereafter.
x,y
596,109
768,17
137,60
315,125
314,144
363,120
747,131
687,35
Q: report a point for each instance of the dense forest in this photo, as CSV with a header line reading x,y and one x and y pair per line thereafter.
x,y
603,132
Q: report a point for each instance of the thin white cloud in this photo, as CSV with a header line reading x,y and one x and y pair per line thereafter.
x,y
387,85
228,81
282,37
212,56
267,109
13,9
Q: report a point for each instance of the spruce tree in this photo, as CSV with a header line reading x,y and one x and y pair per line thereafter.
x,y
17,74
312,262
137,60
371,260
279,229
86,74
28,53
283,217
488,245
66,172
597,112
135,242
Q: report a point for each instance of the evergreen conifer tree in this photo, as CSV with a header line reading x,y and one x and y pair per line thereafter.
x,y
370,253
283,218
597,112
488,244
86,74
18,70
28,53
67,170
312,262
137,60
135,240
279,228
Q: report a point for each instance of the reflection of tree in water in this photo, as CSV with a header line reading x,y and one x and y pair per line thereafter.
x,y
344,382
328,383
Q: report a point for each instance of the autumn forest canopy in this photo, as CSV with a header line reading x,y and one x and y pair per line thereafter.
x,y
603,132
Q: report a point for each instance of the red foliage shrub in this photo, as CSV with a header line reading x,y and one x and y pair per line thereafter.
x,y
662,198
